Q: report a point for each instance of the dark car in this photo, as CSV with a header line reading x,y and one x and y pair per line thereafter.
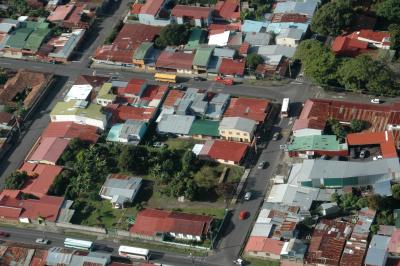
x,y
4,234
199,79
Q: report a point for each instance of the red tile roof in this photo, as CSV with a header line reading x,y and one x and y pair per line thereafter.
x,y
225,150
126,42
42,177
219,28
154,92
61,12
172,97
134,87
151,7
251,108
376,36
12,207
5,118
345,45
244,48
228,9
232,67
195,12
135,10
264,244
121,113
48,150
286,17
70,130
316,111
152,221
94,81
384,139
175,60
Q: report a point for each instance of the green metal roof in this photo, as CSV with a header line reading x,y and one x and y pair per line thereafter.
x,y
202,56
205,127
18,38
316,142
142,50
196,37
36,39
105,92
70,108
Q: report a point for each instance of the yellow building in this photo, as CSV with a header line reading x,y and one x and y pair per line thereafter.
x,y
237,129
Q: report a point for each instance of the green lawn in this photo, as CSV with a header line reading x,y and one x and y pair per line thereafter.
x,y
181,144
216,212
261,262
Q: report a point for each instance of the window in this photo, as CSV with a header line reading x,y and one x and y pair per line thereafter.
x,y
238,133
245,134
222,131
230,132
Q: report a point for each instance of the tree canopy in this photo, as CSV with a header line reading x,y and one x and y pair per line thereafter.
x,y
16,180
396,191
388,9
332,18
357,125
173,34
253,60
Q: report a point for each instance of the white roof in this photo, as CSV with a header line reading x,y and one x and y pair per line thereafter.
x,y
220,39
78,92
262,230
197,149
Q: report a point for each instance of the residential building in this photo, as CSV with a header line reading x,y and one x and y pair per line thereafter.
x,y
250,108
374,39
227,10
121,113
202,129
237,129
329,208
258,38
120,189
105,96
254,26
47,150
144,55
217,106
328,173
225,152
196,39
316,112
13,207
316,145
219,38
175,61
176,124
134,90
267,248
385,140
71,130
202,59
130,132
394,243
277,27
288,17
152,13
272,53
79,92
60,49
79,112
201,16
347,46
224,52
152,222
215,28
377,251
289,37
232,68
72,16
306,8
293,252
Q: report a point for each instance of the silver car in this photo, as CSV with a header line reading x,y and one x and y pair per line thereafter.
x,y
42,241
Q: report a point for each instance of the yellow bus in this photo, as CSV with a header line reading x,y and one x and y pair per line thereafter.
x,y
170,78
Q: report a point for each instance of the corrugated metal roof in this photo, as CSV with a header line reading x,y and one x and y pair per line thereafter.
x,y
176,124
238,123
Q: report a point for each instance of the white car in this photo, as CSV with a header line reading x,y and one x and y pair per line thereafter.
x,y
247,196
378,101
42,241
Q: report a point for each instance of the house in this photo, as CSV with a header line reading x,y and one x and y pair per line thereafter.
x,y
316,145
251,108
219,38
202,128
47,150
13,207
120,189
273,52
179,62
217,105
377,251
200,16
144,55
225,152
224,52
197,37
72,16
347,46
327,242
202,59
393,246
80,112
105,96
79,92
134,90
288,17
215,28
306,8
175,124
122,50
233,68
237,129
121,113
267,248
153,13
327,173
329,208
258,38
180,225
385,140
289,37
293,251
41,177
254,26
315,113
71,130
228,10
130,132
374,39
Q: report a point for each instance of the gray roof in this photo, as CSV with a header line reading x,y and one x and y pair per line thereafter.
x,y
377,251
262,229
317,169
238,123
78,260
295,248
275,49
224,52
215,111
59,256
5,27
199,106
176,124
291,33
221,98
307,7
258,38
383,188
122,189
119,83
131,128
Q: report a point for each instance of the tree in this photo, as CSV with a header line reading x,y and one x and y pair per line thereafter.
x,y
16,180
247,14
357,125
60,183
364,73
133,159
333,126
253,60
374,202
394,30
332,18
396,191
388,9
172,34
318,61
189,161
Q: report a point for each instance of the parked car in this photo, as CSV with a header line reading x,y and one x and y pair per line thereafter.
x,y
224,81
261,165
243,215
247,196
324,157
159,145
376,100
199,79
363,154
238,262
276,136
42,241
4,234
379,157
